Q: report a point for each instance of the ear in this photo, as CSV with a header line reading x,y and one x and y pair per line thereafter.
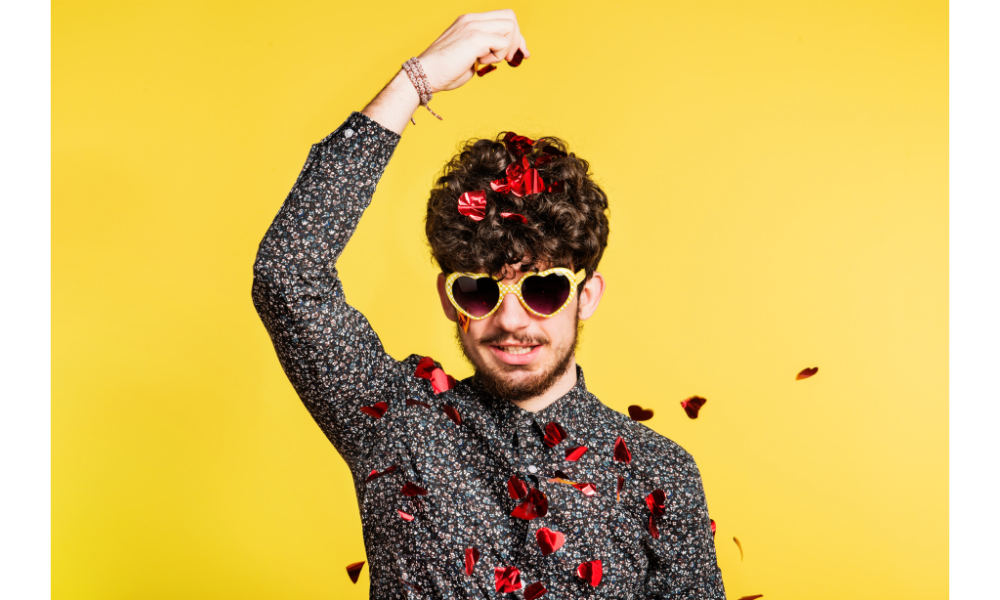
x,y
449,310
590,296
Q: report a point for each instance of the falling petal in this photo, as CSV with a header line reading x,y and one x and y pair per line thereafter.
x,y
452,414
516,488
424,368
692,405
549,541
354,570
471,558
622,453
618,494
413,402
535,505
590,572
713,527
653,529
473,204
486,69
375,474
518,145
589,490
406,517
655,501
508,579
411,489
554,433
754,597
516,59
376,410
806,373
638,413
534,591
514,217
575,454
740,546
440,381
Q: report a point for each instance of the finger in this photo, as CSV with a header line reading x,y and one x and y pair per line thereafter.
x,y
489,48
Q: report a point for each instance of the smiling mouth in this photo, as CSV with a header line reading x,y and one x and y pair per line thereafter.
x,y
516,349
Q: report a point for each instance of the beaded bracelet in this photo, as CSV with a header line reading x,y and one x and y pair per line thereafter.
x,y
419,80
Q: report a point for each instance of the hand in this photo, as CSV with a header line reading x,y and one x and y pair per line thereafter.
x,y
483,38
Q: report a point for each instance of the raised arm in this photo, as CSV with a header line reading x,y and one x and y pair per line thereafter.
x,y
328,350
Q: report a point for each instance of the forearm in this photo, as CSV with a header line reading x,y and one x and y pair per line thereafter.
x,y
395,104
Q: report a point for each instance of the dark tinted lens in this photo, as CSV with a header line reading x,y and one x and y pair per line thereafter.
x,y
547,294
476,296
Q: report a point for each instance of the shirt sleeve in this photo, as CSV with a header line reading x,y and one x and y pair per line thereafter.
x,y
328,350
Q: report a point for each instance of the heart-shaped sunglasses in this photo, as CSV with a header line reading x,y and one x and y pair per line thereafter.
x,y
546,293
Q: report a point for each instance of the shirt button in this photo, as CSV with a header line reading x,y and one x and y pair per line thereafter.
x,y
532,469
348,133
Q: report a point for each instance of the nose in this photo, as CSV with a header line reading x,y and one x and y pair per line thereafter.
x,y
511,316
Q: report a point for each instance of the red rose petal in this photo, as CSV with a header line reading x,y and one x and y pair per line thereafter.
x,y
622,453
806,373
508,579
440,381
740,546
535,505
692,405
376,410
575,454
486,69
549,541
424,368
516,59
638,413
655,501
471,558
452,414
554,433
473,205
514,217
375,474
621,483
713,527
354,570
589,490
590,572
411,489
534,591
516,488
413,402
653,529
406,517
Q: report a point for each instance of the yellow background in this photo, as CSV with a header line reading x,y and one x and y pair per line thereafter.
x,y
778,180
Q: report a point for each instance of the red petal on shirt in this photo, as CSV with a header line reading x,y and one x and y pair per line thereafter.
x,y
713,527
692,405
621,484
411,489
575,454
740,546
589,490
516,488
486,69
412,586
655,501
561,474
653,530
554,433
590,572
514,217
406,517
516,59
471,558
413,402
508,579
376,410
549,541
440,381
638,413
452,414
806,373
375,474
424,368
622,453
534,591
473,204
354,570
534,505
754,597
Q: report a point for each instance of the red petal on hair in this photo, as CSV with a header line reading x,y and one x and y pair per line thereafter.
x,y
638,413
531,183
621,483
590,572
375,474
655,501
508,579
754,597
554,433
411,489
413,402
542,159
575,454
354,569
588,489
550,149
514,217
653,530
806,373
516,59
424,368
549,541
740,546
713,527
404,516
692,405
440,381
473,204
452,414
486,69
500,186
534,591
517,145
376,410
471,558
535,505
622,453
556,187
516,488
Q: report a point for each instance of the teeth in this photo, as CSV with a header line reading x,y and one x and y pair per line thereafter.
x,y
516,349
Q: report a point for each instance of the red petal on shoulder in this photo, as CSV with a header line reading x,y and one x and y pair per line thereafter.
x,y
622,453
424,367
575,454
452,413
375,411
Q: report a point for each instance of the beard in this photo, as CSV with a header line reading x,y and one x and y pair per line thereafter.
x,y
498,381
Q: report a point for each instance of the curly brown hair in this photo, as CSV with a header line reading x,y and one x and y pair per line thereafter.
x,y
565,227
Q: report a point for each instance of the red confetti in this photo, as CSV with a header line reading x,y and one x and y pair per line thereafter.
x,y
508,579
754,597
713,527
516,59
692,405
544,158
561,474
575,454
452,414
424,368
549,541
806,373
522,180
590,572
554,433
534,591
412,402
412,586
440,381
535,505
471,558
375,474
622,453
589,490
406,517
473,205
621,483
653,529
376,410
518,145
638,413
556,187
655,501
354,570
486,69
516,488
411,489
513,217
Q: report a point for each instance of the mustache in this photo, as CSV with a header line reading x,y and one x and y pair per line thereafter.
x,y
495,339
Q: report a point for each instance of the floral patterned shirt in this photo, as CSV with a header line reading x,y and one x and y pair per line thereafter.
x,y
461,494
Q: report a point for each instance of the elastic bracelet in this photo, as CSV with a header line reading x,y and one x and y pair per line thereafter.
x,y
419,80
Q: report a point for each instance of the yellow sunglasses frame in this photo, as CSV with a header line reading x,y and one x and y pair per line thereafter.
x,y
515,288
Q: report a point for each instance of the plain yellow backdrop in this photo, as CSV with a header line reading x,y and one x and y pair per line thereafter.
x,y
777,173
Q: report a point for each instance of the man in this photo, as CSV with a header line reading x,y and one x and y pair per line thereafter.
x,y
516,479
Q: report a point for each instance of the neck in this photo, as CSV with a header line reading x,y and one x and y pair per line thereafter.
x,y
562,386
